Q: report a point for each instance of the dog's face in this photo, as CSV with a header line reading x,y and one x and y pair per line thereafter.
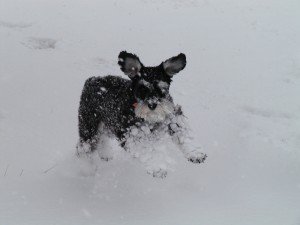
x,y
151,85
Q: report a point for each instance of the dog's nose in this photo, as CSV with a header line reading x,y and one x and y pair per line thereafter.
x,y
152,105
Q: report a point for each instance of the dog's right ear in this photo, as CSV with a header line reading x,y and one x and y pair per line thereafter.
x,y
130,64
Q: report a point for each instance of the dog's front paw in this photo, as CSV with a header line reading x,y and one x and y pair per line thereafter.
x,y
83,150
197,158
161,173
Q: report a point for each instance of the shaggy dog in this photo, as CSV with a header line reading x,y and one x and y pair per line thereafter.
x,y
136,109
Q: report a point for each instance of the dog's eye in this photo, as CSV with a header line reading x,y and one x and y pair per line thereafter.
x,y
161,88
162,92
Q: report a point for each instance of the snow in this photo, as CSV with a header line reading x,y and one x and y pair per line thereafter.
x,y
240,91
103,89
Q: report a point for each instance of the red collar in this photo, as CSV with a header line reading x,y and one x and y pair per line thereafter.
x,y
135,104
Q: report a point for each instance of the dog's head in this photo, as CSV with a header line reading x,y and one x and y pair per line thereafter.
x,y
150,85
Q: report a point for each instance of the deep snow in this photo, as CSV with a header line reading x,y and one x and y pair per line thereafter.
x,y
240,91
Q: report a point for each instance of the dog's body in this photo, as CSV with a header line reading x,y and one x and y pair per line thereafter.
x,y
118,105
106,100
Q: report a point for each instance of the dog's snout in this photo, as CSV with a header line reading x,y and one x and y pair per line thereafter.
x,y
152,105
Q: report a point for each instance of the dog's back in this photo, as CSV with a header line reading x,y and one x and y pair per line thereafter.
x,y
105,100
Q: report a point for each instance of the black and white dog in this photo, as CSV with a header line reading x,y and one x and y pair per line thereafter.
x,y
135,110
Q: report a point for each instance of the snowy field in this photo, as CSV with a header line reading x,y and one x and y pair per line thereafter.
x,y
240,91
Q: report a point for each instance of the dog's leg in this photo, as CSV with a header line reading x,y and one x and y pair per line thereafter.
x,y
181,136
104,145
88,139
88,130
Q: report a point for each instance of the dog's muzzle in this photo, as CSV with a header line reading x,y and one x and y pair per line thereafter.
x,y
154,111
152,103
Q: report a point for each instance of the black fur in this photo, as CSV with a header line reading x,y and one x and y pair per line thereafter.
x,y
110,100
120,105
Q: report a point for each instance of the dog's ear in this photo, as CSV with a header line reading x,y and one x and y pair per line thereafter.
x,y
130,64
174,64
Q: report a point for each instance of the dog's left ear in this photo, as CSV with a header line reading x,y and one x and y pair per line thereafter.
x,y
174,64
130,64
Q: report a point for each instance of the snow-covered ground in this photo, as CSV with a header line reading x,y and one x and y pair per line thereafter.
x,y
240,91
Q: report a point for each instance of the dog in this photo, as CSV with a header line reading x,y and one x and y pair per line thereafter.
x,y
135,110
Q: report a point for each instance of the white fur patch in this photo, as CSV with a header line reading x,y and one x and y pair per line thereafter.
x,y
145,83
157,115
163,85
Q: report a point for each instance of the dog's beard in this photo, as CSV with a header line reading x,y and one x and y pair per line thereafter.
x,y
157,115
